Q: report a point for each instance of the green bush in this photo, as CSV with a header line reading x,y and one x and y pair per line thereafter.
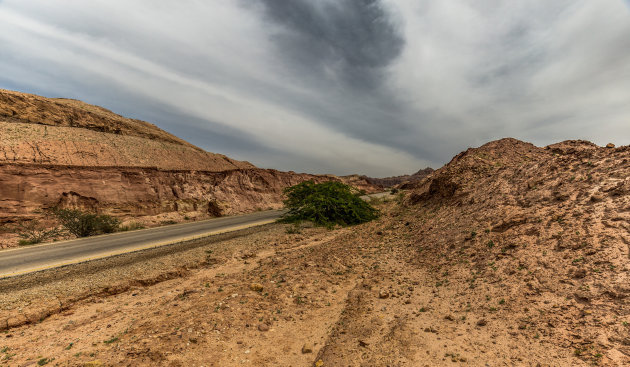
x,y
33,232
326,204
83,224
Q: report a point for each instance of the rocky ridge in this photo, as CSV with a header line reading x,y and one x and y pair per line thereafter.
x,y
397,181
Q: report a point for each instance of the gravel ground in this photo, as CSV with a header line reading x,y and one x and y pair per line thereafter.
x,y
66,285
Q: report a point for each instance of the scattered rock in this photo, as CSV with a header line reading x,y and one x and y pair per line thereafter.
x,y
578,273
263,327
610,145
94,363
247,255
383,293
307,348
319,363
363,343
256,287
482,322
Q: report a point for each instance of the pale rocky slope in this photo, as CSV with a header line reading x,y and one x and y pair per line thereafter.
x,y
60,131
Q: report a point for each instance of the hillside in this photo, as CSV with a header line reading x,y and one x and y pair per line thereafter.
x,y
59,131
510,255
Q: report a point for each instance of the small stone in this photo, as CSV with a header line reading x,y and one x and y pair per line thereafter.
x,y
94,363
307,348
363,343
578,273
256,287
319,363
610,145
263,327
482,322
247,255
597,197
383,294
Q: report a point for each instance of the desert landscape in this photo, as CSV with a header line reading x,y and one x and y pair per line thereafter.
x,y
363,183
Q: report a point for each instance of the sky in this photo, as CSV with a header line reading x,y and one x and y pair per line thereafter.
x,y
375,87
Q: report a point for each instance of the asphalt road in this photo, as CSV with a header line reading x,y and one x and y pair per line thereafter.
x,y
35,258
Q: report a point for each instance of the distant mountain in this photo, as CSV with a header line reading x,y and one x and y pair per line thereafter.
x,y
388,182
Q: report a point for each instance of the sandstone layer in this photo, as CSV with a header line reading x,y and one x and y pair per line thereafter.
x,y
27,190
59,131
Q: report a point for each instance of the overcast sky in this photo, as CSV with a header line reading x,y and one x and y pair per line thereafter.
x,y
329,86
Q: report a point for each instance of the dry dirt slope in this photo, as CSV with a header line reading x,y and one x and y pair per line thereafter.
x,y
510,255
538,239
58,131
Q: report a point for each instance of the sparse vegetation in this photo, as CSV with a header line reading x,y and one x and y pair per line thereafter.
x,y
85,224
114,339
131,227
33,232
327,204
295,228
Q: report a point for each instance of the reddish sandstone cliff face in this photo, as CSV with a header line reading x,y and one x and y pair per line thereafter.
x,y
60,152
26,190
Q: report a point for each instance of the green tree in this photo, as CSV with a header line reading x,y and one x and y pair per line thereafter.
x,y
82,224
326,204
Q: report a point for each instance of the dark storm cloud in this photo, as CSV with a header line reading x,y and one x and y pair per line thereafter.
x,y
343,50
350,41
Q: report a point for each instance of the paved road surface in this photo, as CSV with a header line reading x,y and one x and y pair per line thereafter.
x,y
34,258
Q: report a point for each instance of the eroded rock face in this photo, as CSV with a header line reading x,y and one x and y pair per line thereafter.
x,y
134,191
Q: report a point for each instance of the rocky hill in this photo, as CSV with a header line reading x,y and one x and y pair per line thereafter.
x,y
56,131
66,153
534,243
